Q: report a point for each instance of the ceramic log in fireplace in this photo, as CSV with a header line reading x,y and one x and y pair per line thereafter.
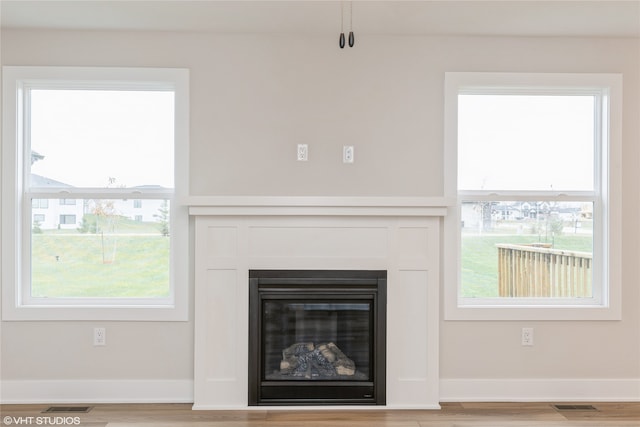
x,y
317,337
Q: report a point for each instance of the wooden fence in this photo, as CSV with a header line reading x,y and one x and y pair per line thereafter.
x,y
539,271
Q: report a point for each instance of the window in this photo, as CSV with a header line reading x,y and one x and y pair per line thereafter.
x,y
530,164
137,204
80,138
40,203
66,219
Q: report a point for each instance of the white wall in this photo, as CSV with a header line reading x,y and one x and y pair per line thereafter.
x,y
254,97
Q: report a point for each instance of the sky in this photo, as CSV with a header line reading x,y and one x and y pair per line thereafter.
x,y
102,138
526,142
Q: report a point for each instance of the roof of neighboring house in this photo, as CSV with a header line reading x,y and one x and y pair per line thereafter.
x,y
42,181
150,186
35,156
512,207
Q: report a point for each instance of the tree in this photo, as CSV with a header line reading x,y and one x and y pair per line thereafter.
x,y
106,221
485,210
162,217
88,224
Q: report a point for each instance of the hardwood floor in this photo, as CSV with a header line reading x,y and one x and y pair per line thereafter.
x,y
451,415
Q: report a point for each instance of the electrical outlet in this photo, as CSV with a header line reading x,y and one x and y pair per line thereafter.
x,y
348,154
303,152
99,336
527,336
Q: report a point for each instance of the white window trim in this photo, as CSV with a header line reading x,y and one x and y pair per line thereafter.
x,y
14,225
608,307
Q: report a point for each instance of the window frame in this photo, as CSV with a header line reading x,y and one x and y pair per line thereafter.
x,y
606,301
17,200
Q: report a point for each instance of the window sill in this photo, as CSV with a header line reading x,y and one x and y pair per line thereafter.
x,y
539,312
102,313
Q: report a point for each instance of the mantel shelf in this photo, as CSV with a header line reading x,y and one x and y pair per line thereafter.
x,y
343,206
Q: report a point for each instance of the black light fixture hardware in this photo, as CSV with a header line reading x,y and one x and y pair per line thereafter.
x,y
352,38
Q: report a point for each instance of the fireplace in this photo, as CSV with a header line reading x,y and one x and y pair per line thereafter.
x,y
317,337
236,236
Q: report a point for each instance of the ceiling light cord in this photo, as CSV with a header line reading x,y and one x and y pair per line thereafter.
x,y
341,41
352,38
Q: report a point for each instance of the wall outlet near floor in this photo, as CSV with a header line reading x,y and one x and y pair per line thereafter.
x,y
527,336
99,336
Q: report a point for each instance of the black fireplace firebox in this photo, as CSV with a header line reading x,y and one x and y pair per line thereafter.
x,y
317,337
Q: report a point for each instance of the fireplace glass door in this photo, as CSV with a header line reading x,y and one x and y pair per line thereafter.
x,y
324,340
317,337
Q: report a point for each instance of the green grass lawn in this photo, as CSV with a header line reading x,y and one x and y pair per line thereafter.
x,y
479,262
75,265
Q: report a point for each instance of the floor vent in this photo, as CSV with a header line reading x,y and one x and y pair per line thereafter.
x,y
67,409
575,407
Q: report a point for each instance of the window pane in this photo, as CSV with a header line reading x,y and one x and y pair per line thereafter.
x,y
99,248
526,249
102,138
526,142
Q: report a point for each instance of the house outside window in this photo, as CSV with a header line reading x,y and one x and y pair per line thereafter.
x,y
530,160
111,119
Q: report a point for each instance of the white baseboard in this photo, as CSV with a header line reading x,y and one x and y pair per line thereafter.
x,y
540,390
451,390
96,391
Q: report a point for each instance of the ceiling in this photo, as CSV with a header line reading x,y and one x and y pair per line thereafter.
x,y
501,18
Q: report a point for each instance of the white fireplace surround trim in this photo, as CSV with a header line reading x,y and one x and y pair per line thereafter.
x,y
294,205
236,234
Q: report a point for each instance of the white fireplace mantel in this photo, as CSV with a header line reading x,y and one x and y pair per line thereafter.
x,y
294,205
236,234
